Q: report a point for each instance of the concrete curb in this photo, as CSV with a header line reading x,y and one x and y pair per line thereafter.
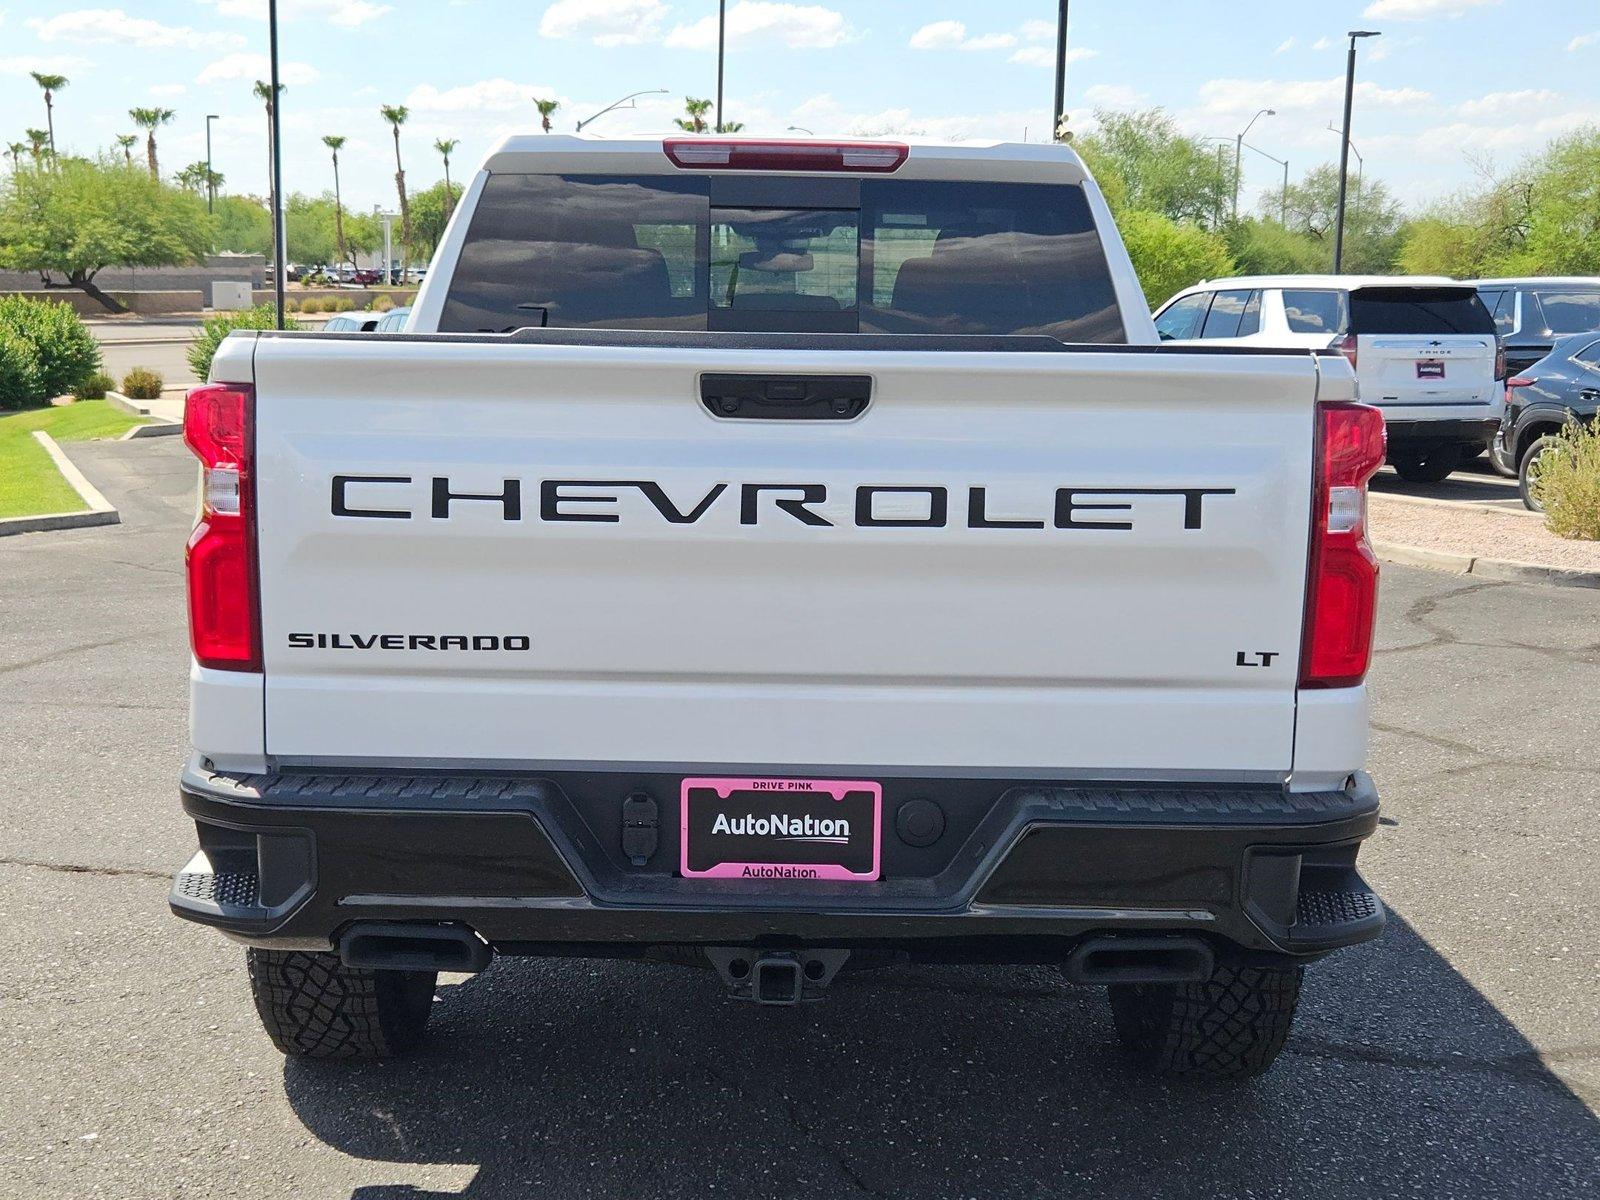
x,y
158,427
100,510
1492,506
1502,569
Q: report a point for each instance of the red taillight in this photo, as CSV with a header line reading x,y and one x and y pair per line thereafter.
x,y
713,154
1519,381
223,609
1342,575
1347,347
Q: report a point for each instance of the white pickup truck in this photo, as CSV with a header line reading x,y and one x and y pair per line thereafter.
x,y
787,557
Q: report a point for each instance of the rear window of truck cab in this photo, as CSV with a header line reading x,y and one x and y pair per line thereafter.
x,y
867,256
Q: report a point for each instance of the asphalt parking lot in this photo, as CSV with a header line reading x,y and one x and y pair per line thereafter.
x,y
1457,1056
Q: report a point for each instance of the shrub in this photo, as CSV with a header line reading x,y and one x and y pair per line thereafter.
x,y
19,372
141,383
64,350
295,304
382,302
343,304
95,387
262,316
1568,483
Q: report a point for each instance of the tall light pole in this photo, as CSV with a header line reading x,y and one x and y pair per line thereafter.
x,y
211,176
1283,203
1061,72
722,42
279,234
615,104
1238,155
1344,147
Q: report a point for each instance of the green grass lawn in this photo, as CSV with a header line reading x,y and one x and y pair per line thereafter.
x,y
29,482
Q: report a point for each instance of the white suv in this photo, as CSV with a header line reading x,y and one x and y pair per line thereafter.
x,y
1424,349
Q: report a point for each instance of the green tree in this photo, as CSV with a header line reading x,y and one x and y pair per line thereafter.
x,y
196,176
14,151
1144,161
50,85
431,209
87,216
1171,255
1373,220
127,141
1265,247
1563,218
38,143
243,226
334,143
547,109
695,121
397,115
150,120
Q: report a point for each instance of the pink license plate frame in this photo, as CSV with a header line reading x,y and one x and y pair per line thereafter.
x,y
834,872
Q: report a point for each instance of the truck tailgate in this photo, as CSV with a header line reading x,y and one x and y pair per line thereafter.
x,y
1084,563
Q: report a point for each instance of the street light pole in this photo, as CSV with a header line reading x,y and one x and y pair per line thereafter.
x,y
1283,202
279,234
722,41
1061,72
615,104
1344,147
1238,155
211,176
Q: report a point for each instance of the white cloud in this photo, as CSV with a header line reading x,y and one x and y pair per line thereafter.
x,y
91,26
1250,95
1503,105
1322,43
488,95
798,26
1583,40
1287,45
604,22
1039,31
1421,10
348,14
825,115
940,35
1045,56
256,66
1114,95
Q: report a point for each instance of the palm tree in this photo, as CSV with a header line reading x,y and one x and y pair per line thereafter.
x,y
51,85
14,153
547,109
126,141
38,142
335,143
151,119
446,147
697,110
197,177
396,115
263,92
730,126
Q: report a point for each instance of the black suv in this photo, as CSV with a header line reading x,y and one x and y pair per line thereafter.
x,y
1559,389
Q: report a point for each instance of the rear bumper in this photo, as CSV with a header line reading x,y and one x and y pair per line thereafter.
x,y
534,864
1476,431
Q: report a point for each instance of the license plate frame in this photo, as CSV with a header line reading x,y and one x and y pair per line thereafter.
x,y
1431,369
766,834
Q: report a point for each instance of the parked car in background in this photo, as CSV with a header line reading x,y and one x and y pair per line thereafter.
x,y
1559,389
1424,350
366,322
394,321
1531,315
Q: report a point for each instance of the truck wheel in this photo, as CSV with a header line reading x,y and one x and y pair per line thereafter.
x,y
1528,471
1231,1026
1425,464
313,1006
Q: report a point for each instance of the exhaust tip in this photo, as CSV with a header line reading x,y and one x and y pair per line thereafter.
x,y
1108,960
402,946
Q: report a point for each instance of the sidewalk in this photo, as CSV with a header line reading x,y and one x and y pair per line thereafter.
x,y
1479,539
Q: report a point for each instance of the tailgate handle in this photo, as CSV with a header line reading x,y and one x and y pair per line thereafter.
x,y
785,397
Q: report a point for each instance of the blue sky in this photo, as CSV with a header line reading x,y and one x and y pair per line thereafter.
x,y
1452,85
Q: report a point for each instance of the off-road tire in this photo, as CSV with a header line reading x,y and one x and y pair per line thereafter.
x,y
313,1006
1425,464
1231,1026
1525,471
